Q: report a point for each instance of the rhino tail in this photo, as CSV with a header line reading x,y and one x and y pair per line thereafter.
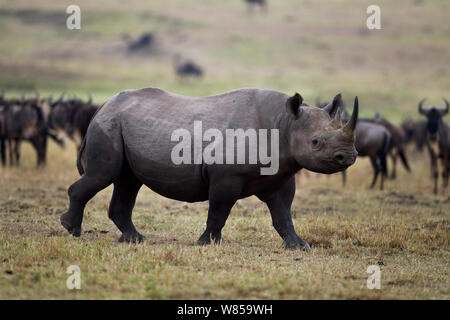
x,y
80,153
83,145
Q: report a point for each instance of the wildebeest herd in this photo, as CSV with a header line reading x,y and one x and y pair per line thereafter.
x,y
36,119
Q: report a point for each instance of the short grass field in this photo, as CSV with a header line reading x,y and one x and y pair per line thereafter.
x,y
318,48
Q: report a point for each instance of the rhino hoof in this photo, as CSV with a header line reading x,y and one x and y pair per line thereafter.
x,y
67,223
132,238
297,244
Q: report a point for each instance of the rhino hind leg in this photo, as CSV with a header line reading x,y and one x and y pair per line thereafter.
x,y
103,166
122,203
80,193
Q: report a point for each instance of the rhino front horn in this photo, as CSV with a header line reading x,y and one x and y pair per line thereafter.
x,y
349,128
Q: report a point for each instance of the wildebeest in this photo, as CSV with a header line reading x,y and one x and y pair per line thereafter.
x,y
145,41
129,143
71,117
415,131
261,3
397,145
438,141
22,120
187,68
372,140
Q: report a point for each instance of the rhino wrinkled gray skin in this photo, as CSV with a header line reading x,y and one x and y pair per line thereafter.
x,y
128,144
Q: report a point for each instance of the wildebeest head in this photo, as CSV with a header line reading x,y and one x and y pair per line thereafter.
x,y
434,115
62,114
318,139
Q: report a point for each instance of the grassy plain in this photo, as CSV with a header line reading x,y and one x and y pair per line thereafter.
x,y
317,48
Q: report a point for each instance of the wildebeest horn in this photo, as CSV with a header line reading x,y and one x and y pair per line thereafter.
x,y
90,99
421,110
37,95
61,96
333,106
447,107
349,128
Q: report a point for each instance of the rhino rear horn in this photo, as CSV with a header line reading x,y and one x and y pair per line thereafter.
x,y
349,128
333,106
336,122
293,105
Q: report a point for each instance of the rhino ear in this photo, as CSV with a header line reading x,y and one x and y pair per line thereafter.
x,y
293,105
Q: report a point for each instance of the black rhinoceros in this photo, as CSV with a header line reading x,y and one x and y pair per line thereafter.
x,y
129,143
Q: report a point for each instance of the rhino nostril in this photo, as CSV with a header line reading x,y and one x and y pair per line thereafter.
x,y
339,157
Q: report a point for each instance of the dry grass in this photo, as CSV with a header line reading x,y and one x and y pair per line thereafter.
x,y
317,48
404,228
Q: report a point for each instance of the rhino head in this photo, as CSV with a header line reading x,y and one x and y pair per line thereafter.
x,y
318,140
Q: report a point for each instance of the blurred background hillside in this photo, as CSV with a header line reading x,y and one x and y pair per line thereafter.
x,y
317,48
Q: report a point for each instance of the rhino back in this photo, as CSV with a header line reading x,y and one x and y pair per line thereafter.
x,y
148,117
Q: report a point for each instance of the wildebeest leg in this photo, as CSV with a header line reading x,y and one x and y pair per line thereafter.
x,y
3,150
17,151
40,148
10,151
344,177
122,203
279,204
221,200
383,169
434,168
376,169
445,171
394,164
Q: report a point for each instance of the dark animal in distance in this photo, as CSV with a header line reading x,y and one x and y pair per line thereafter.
x,y
397,145
22,120
437,141
187,68
372,140
127,144
144,42
71,117
253,3
415,131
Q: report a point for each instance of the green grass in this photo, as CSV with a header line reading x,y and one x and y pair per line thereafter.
x,y
317,48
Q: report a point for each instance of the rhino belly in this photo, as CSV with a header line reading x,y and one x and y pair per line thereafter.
x,y
148,153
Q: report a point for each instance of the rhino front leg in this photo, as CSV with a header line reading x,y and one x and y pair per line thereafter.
x,y
279,204
221,200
